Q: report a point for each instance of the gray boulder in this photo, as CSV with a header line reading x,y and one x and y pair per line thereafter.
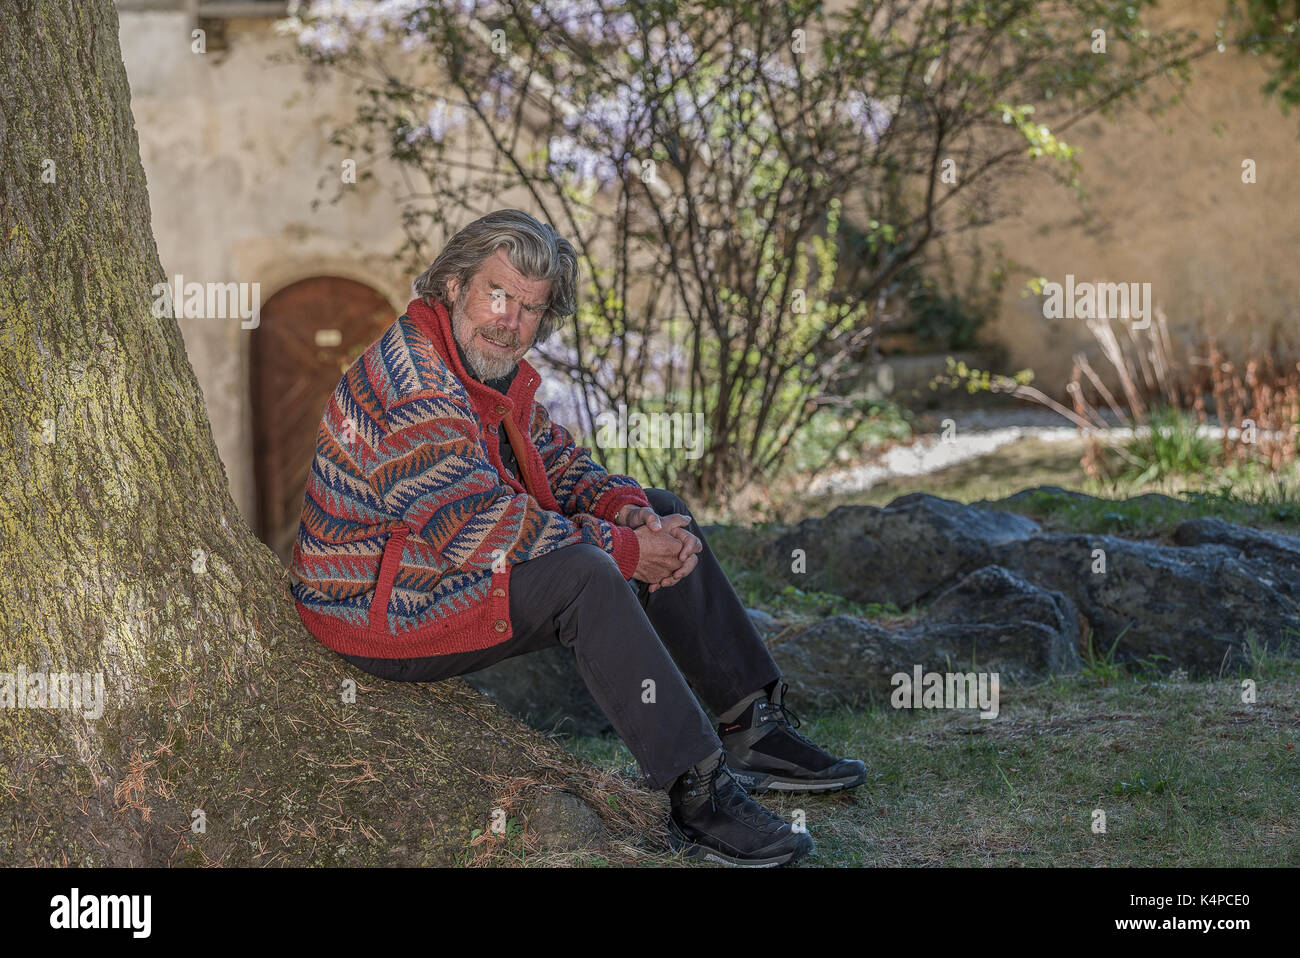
x,y
1189,607
903,553
1033,492
544,688
990,621
1276,556
1004,596
1011,625
560,821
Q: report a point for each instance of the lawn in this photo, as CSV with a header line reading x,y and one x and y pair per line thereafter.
x,y
1185,773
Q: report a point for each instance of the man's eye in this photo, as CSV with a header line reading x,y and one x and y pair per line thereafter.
x,y
499,293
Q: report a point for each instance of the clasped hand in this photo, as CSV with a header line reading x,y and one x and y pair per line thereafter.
x,y
668,550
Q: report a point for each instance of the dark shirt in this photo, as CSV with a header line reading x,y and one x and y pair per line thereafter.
x,y
502,386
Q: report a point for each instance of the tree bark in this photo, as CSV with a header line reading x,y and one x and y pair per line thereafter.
x,y
122,553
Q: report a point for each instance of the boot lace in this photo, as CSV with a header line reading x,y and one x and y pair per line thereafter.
x,y
786,717
732,797
736,802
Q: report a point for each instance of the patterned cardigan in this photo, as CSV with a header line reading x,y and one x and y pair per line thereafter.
x,y
411,523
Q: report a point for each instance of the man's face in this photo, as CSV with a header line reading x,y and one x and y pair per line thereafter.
x,y
496,315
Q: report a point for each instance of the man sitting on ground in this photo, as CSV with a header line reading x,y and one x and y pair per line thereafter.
x,y
450,524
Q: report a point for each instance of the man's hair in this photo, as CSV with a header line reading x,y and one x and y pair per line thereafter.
x,y
533,248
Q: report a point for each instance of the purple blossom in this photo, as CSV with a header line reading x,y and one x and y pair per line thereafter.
x,y
442,118
685,104
869,116
567,155
585,19
615,114
332,26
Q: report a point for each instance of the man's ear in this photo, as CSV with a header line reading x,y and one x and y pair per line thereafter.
x,y
452,286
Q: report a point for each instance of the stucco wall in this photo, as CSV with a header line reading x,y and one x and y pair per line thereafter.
x,y
1169,208
234,148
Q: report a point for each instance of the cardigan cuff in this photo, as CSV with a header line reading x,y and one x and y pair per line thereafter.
x,y
627,549
607,506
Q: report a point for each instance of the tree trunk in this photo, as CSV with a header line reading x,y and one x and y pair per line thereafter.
x,y
225,736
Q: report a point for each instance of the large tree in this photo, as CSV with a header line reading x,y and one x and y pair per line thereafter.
x,y
124,555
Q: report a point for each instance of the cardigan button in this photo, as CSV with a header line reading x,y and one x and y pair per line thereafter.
x,y
501,410
498,591
501,625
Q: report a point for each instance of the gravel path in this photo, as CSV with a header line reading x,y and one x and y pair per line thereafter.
x,y
973,433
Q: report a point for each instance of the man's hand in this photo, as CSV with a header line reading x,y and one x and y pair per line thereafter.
x,y
668,550
634,517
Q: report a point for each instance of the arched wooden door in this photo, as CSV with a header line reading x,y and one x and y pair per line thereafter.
x,y
309,334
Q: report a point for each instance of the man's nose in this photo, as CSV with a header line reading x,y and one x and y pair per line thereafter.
x,y
511,320
507,314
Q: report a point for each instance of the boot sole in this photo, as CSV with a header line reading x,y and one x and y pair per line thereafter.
x,y
695,850
773,783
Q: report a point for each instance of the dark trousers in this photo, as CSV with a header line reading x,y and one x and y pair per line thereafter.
x,y
638,652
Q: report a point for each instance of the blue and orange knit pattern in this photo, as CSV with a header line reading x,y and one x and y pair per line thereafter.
x,y
411,523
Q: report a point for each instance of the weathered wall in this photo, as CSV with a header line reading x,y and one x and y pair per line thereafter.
x,y
234,147
1169,208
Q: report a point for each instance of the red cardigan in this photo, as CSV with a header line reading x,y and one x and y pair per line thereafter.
x,y
411,523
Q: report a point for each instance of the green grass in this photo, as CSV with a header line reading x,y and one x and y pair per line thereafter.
x,y
1154,514
1185,773
1171,447
1101,668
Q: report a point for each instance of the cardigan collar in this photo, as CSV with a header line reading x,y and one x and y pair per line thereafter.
x,y
489,404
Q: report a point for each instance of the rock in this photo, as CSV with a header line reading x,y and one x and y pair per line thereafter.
x,y
840,661
765,623
1026,495
1277,556
1158,499
991,621
562,821
1035,632
544,688
1007,597
903,553
1171,606
1021,649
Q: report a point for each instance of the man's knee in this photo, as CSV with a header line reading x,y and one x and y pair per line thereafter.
x,y
666,503
584,562
562,576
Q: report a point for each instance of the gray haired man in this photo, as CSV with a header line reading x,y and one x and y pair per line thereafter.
x,y
503,511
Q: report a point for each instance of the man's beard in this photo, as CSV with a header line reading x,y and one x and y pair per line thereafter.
x,y
483,366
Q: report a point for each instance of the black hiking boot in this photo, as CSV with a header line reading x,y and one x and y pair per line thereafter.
x,y
765,753
715,819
